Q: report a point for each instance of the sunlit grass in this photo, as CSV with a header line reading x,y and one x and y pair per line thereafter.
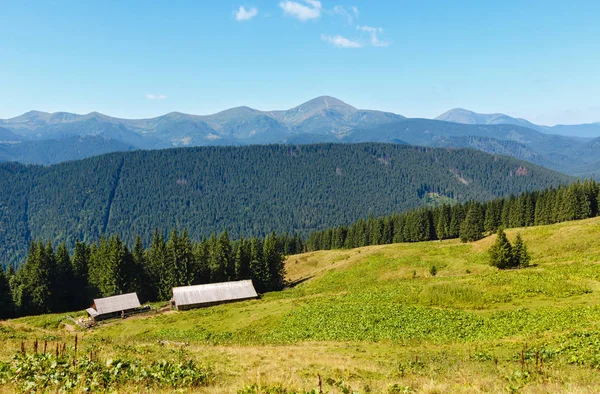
x,y
375,317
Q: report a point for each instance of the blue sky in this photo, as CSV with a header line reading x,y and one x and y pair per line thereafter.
x,y
534,59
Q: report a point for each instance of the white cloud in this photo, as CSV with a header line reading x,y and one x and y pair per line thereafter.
x,y
340,10
341,42
373,32
355,10
244,14
155,96
300,11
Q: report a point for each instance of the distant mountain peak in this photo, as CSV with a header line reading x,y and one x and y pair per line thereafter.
x,y
324,102
465,116
31,116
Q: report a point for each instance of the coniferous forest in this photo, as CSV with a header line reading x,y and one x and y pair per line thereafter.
x,y
53,280
250,191
468,221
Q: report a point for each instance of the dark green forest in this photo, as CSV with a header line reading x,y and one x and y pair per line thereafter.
x,y
54,280
250,191
468,221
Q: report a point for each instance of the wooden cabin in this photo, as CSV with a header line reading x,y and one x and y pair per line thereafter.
x,y
198,296
112,307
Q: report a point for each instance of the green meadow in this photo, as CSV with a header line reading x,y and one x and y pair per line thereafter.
x,y
372,319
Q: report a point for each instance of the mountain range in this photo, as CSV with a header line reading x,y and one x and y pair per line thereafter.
x,y
44,138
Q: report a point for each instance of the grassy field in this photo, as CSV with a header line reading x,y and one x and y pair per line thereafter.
x,y
375,320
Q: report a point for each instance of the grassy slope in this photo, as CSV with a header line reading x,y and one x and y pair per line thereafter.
x,y
374,316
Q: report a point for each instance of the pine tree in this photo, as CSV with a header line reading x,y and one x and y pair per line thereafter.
x,y
80,267
181,260
7,307
521,257
158,268
471,228
35,278
62,282
222,264
141,281
442,227
242,260
202,257
259,271
501,254
273,260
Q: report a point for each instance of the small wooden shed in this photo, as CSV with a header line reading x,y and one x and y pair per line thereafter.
x,y
115,306
189,297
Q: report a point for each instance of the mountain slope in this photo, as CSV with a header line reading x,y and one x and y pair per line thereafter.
x,y
320,120
460,115
463,116
248,190
326,118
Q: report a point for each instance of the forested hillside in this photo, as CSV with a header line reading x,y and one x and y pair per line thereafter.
x,y
249,191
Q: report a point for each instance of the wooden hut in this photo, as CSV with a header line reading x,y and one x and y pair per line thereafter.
x,y
115,306
189,297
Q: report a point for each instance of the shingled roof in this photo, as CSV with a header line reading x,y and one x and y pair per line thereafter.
x,y
214,293
116,303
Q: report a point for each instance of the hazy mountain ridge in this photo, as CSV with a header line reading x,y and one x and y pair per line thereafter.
x,y
463,116
323,119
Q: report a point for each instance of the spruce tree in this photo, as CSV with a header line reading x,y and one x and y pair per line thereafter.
x,y
259,271
242,260
158,268
6,302
35,279
222,264
63,281
442,227
274,262
521,257
202,257
142,284
501,254
80,267
471,228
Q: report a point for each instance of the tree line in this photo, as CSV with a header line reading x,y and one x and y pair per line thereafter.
x,y
469,221
110,267
55,280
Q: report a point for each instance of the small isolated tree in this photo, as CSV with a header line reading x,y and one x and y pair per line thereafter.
x,y
433,270
501,253
521,256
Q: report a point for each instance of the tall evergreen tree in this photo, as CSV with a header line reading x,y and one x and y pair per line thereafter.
x,y
141,281
6,303
259,271
501,254
158,267
521,257
202,257
62,282
274,263
471,228
35,281
80,267
242,260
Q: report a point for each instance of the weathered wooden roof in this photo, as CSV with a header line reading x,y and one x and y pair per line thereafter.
x,y
92,312
116,303
214,292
